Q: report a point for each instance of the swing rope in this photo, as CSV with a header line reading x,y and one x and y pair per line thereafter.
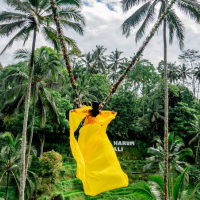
x,y
133,62
138,54
64,50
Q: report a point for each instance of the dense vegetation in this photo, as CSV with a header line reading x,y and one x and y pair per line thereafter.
x,y
138,102
36,96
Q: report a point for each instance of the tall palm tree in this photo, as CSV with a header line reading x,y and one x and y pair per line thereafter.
x,y
196,131
32,16
146,13
46,76
116,63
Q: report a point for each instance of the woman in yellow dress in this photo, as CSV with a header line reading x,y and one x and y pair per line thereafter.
x,y
97,165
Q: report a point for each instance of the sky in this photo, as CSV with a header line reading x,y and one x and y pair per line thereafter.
x,y
103,27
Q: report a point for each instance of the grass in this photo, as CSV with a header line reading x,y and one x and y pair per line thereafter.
x,y
69,187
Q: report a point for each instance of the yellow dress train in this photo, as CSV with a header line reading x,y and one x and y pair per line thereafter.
x,y
97,165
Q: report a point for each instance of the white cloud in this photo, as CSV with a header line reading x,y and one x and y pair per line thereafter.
x,y
103,27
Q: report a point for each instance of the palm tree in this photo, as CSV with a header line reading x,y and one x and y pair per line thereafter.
x,y
10,162
191,57
176,153
45,76
184,72
178,189
146,13
100,62
153,114
173,72
84,90
89,61
116,63
196,130
9,158
34,16
31,16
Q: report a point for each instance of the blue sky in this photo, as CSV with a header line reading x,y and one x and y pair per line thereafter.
x,y
103,27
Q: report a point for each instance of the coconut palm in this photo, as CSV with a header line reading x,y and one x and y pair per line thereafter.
x,y
89,61
10,163
178,188
46,75
100,60
196,130
9,158
84,90
173,72
31,16
154,111
116,63
191,58
35,16
176,153
184,72
146,14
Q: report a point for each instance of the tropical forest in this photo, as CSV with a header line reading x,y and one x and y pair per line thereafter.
x,y
143,143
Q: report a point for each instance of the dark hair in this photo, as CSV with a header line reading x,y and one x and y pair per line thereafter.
x,y
95,109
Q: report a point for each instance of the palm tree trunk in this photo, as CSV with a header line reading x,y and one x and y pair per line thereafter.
x,y
23,145
197,152
166,113
42,141
31,136
7,186
198,91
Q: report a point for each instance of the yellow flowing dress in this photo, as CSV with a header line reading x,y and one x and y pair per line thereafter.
x,y
97,165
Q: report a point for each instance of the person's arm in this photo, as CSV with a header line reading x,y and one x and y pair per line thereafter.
x,y
82,112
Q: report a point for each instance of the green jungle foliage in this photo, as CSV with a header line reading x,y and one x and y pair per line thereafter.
x,y
139,105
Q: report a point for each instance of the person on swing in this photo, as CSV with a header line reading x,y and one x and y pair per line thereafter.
x,y
97,165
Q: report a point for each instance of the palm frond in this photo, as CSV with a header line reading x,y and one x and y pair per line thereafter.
x,y
149,18
128,4
143,188
20,35
175,25
52,106
7,29
51,35
22,54
156,184
76,3
75,26
178,183
191,8
11,16
72,43
135,19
